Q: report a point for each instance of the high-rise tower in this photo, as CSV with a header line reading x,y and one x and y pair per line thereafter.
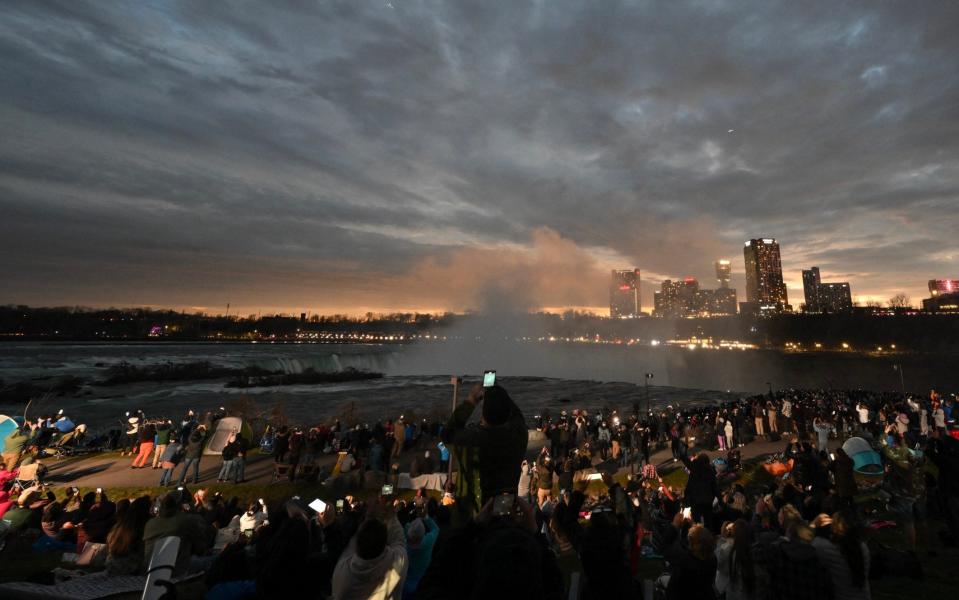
x,y
624,301
723,273
765,289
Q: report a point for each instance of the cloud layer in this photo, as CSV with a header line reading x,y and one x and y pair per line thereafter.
x,y
375,155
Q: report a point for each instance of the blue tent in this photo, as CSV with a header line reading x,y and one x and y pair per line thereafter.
x,y
7,426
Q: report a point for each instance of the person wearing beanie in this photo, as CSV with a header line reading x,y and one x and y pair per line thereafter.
x,y
421,535
500,437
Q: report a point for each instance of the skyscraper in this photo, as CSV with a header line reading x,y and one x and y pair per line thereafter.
x,y
624,301
825,297
810,286
765,289
835,298
723,273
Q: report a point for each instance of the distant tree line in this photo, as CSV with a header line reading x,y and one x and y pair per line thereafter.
x,y
909,332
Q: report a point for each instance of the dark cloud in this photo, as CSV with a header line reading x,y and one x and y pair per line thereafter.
x,y
392,154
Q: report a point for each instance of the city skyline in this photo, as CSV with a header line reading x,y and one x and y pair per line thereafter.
x,y
377,157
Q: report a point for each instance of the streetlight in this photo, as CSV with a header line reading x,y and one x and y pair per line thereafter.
x,y
648,377
769,383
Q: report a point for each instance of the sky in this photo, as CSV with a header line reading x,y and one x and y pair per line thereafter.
x,y
354,156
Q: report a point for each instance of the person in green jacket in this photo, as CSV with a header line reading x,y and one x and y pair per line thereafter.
x,y
491,439
14,446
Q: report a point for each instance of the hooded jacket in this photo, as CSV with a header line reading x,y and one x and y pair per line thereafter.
x,y
501,449
380,578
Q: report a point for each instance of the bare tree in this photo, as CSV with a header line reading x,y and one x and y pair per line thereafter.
x,y
900,300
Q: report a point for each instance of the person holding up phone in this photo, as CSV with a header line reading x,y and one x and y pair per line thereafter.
x,y
499,440
375,562
421,535
692,567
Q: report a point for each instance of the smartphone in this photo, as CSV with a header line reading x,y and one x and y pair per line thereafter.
x,y
339,505
832,456
594,476
503,504
387,490
319,506
99,490
489,378
688,513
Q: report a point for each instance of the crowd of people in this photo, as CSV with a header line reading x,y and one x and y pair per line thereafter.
x,y
515,525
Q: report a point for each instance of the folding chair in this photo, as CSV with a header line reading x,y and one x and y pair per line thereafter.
x,y
160,571
280,470
27,475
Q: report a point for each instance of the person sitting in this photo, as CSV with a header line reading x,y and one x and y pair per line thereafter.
x,y
843,553
494,557
125,540
375,562
692,569
172,521
98,521
736,575
254,518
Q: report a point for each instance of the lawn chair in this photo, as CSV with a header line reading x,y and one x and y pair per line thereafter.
x,y
28,475
67,443
160,572
280,470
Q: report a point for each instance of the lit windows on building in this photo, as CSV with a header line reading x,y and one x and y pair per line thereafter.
x,y
624,301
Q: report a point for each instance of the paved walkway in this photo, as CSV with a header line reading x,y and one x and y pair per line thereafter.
x,y
111,470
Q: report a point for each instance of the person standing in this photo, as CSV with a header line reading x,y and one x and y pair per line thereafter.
x,y
229,453
161,440
939,417
194,450
787,411
399,438
822,427
771,412
759,418
239,463
169,460
729,434
147,435
544,480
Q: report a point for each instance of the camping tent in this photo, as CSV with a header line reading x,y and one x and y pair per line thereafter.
x,y
7,426
867,463
221,434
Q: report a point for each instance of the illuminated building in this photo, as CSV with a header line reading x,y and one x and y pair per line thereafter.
x,y
720,302
825,297
835,298
686,299
810,286
624,302
723,273
944,296
665,303
765,288
677,298
943,286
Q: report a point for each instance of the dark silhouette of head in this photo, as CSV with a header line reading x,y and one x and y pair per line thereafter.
x,y
370,539
496,405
